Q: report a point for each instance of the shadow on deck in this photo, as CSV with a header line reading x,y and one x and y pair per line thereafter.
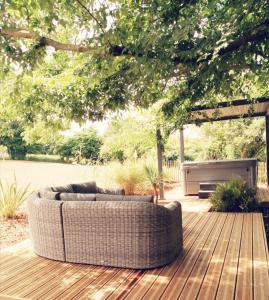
x,y
225,256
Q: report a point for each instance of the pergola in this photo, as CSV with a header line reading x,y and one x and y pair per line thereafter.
x,y
229,110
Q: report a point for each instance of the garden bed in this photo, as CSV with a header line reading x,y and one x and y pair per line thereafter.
x,y
13,230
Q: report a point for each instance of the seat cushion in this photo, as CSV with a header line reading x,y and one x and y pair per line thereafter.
x,y
84,188
63,189
49,195
77,197
106,197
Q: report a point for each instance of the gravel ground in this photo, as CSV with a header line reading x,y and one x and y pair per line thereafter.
x,y
13,231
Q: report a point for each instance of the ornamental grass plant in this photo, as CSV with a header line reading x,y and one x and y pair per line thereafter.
x,y
11,198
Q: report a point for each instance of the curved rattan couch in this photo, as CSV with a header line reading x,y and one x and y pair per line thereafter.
x,y
109,230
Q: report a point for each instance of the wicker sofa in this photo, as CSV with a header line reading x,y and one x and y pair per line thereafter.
x,y
95,227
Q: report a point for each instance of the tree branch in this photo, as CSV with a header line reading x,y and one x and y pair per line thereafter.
x,y
44,41
261,34
96,20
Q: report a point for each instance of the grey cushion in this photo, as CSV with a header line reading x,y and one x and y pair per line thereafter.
x,y
77,197
84,188
107,197
49,195
111,191
63,189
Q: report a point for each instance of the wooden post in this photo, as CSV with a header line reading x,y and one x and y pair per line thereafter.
x,y
181,157
181,141
267,145
160,162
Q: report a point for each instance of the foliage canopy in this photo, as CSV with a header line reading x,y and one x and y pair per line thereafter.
x,y
82,59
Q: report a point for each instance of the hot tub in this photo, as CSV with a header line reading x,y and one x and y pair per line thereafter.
x,y
216,171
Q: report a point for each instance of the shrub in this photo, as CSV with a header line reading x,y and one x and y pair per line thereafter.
x,y
234,195
128,176
12,138
11,197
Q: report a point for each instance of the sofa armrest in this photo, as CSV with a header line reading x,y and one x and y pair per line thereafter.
x,y
45,222
110,191
175,212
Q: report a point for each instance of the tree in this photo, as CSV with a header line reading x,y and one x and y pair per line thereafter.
x,y
130,137
85,145
229,140
11,137
108,55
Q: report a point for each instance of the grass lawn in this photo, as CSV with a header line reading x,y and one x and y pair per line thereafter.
x,y
41,174
44,158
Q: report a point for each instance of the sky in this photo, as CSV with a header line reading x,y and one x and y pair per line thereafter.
x,y
190,131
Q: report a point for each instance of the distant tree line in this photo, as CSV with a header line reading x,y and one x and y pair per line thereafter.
x,y
133,138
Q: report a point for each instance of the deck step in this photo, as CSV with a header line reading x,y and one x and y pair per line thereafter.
x,y
205,186
205,194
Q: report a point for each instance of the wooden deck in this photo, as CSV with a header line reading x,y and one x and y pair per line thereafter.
x,y
225,257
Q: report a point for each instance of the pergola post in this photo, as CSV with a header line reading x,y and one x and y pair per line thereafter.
x,y
181,144
181,154
267,145
160,162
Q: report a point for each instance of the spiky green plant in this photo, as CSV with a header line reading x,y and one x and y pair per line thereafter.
x,y
234,195
151,174
11,197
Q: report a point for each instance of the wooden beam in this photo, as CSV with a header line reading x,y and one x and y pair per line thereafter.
x,y
267,146
160,162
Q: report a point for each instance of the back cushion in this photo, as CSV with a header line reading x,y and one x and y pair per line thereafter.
x,y
84,188
77,197
49,195
111,191
63,189
106,197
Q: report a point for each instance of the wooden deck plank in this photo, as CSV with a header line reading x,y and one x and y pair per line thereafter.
x,y
97,284
211,280
125,286
175,286
18,276
71,273
150,277
28,278
168,271
228,277
72,281
81,284
222,259
244,272
41,283
260,256
112,285
195,280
